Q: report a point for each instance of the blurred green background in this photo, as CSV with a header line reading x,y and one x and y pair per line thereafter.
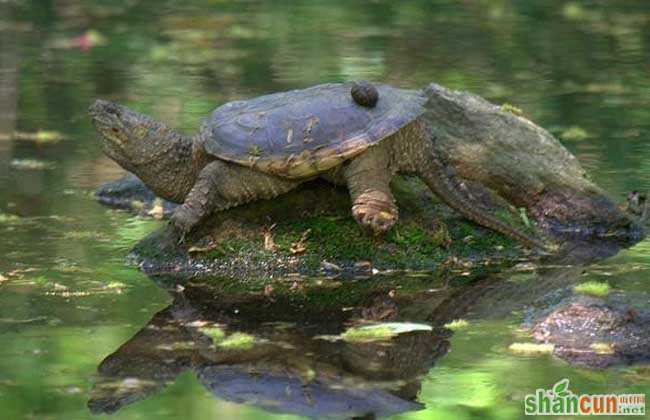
x,y
579,68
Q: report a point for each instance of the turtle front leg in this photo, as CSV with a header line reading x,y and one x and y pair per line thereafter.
x,y
220,186
368,178
201,200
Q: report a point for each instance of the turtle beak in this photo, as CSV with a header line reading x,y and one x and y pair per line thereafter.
x,y
107,117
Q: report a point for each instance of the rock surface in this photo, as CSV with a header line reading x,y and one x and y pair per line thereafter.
x,y
594,333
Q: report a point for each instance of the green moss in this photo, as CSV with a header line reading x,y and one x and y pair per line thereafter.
x,y
255,151
237,341
506,107
593,288
415,243
234,341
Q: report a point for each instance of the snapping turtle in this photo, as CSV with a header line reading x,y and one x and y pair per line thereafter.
x,y
267,146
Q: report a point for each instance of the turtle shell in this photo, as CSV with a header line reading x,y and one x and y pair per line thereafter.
x,y
300,133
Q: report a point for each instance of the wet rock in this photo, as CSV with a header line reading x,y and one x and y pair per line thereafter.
x,y
129,193
594,333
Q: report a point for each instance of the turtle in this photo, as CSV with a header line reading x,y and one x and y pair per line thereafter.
x,y
355,134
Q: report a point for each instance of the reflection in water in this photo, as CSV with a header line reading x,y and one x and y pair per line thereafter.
x,y
566,64
286,357
284,367
9,68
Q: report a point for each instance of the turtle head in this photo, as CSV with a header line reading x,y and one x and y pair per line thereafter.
x,y
127,137
158,155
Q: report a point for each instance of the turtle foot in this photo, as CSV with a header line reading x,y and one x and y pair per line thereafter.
x,y
184,220
375,212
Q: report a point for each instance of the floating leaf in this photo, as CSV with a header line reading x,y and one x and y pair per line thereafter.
x,y
215,333
237,341
40,136
574,133
8,218
602,348
31,164
381,332
457,324
531,348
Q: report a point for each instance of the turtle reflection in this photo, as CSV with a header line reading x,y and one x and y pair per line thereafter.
x,y
283,365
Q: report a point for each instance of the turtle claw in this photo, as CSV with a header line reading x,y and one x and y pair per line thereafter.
x,y
375,216
183,221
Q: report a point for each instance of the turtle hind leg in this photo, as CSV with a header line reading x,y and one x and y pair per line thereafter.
x,y
222,185
368,177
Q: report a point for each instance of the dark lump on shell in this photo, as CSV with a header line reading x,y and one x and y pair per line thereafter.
x,y
364,94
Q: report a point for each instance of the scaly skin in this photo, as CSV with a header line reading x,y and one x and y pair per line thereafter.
x,y
178,169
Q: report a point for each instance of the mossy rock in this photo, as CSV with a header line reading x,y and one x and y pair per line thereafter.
x,y
310,231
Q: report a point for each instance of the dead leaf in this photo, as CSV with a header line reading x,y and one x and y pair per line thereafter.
x,y
296,287
202,249
269,243
158,211
3,279
300,247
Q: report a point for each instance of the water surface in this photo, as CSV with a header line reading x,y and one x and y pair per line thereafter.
x,y
581,69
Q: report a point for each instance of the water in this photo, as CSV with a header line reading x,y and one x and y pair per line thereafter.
x,y
68,301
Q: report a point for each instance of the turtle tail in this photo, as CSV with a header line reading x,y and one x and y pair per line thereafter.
x,y
437,179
